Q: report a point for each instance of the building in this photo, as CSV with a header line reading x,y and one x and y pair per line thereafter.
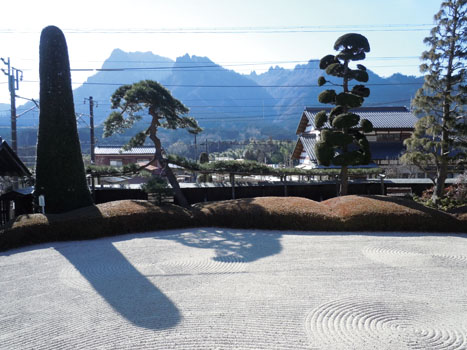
x,y
11,204
391,126
116,156
10,164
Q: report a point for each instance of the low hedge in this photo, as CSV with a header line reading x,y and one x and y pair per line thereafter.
x,y
349,213
107,219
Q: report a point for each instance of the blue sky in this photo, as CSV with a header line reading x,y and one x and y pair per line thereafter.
x,y
259,33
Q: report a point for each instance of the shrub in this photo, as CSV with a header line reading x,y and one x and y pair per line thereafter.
x,y
346,213
454,196
60,175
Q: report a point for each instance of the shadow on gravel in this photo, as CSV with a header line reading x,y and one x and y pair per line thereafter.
x,y
122,286
231,244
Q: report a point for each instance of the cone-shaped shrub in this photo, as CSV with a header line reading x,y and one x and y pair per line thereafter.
x,y
60,175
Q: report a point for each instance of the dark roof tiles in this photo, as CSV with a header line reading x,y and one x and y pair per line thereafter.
x,y
380,117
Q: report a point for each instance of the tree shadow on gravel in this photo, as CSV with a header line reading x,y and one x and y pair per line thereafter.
x,y
121,285
230,244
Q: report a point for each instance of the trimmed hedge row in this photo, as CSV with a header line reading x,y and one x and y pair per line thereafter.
x,y
349,213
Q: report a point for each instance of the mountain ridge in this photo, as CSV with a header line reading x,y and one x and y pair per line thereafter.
x,y
227,104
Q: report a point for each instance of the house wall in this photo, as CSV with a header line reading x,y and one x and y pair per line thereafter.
x,y
122,159
380,136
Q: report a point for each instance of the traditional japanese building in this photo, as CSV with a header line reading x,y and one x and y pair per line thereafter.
x,y
10,164
391,126
116,156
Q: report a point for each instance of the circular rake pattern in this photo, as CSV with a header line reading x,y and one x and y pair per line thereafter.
x,y
218,265
353,324
450,260
397,257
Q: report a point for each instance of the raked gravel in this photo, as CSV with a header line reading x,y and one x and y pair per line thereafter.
x,y
216,288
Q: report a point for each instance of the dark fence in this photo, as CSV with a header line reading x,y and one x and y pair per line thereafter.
x,y
103,195
196,193
4,212
316,191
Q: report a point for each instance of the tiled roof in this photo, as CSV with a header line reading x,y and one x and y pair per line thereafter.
x,y
10,164
308,141
380,117
118,150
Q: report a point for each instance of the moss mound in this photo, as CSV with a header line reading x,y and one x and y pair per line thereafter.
x,y
349,213
113,218
279,213
380,213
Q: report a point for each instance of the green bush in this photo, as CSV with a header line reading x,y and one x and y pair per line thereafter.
x,y
345,213
321,81
361,90
454,196
366,125
326,61
327,96
349,100
157,184
320,119
346,121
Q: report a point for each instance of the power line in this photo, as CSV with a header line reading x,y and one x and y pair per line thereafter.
x,y
228,86
195,66
226,63
241,30
272,106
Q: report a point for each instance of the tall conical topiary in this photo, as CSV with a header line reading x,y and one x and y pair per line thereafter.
x,y
60,174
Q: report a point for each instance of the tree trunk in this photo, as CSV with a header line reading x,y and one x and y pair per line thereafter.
x,y
442,166
168,172
440,180
232,183
344,168
344,180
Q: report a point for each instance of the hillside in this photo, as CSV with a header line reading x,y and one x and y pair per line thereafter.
x,y
396,90
228,105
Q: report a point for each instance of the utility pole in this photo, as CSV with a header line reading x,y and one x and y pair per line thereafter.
x,y
91,125
14,76
196,149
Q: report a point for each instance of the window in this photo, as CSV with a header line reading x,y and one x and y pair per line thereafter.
x,y
388,137
116,162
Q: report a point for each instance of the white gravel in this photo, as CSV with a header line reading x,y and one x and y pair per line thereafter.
x,y
237,289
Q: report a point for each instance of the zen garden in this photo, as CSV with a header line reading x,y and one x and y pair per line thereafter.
x,y
235,266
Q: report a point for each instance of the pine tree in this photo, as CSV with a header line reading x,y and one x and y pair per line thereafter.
x,y
341,143
165,111
60,174
440,136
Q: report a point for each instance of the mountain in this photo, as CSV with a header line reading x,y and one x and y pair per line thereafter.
x,y
302,89
228,105
119,69
224,102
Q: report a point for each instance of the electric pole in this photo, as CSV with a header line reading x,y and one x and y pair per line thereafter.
x,y
14,76
91,125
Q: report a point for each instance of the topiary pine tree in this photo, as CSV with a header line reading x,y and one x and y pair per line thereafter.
x,y
165,111
60,175
440,136
342,142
